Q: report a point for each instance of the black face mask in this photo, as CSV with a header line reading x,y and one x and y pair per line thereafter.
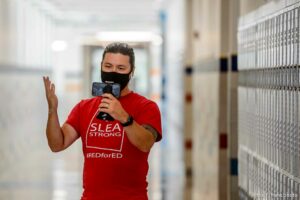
x,y
122,79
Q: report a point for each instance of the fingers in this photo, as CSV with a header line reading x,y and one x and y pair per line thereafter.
x,y
104,105
109,104
106,100
108,96
49,87
52,88
46,84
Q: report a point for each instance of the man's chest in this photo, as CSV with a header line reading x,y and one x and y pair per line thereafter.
x,y
101,134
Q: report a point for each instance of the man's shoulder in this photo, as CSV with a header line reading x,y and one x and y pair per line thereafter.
x,y
88,101
141,100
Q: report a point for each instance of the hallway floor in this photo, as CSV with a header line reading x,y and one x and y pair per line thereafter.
x,y
57,176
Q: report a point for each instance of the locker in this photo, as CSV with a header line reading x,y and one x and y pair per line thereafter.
x,y
288,39
281,41
296,37
269,99
294,130
278,41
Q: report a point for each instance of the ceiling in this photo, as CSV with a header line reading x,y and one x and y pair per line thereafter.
x,y
109,14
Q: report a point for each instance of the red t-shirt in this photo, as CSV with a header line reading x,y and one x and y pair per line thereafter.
x,y
113,167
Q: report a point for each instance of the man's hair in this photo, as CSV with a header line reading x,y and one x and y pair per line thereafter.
x,y
121,48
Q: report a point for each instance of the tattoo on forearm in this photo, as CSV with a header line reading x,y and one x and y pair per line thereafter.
x,y
151,130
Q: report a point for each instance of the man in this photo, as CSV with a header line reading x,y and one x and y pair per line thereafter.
x,y
115,152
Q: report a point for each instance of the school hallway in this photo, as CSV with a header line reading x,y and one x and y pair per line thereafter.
x,y
225,75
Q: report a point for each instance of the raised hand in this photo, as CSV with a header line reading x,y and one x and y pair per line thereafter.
x,y
50,94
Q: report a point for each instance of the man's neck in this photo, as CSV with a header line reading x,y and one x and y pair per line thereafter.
x,y
125,91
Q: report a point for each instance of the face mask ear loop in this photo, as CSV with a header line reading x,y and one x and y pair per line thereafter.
x,y
131,73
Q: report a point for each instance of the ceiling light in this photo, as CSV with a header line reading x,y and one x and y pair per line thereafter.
x,y
129,36
59,45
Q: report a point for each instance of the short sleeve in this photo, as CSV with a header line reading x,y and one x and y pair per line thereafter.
x,y
74,118
149,114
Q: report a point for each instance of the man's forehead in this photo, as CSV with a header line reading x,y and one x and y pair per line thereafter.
x,y
116,57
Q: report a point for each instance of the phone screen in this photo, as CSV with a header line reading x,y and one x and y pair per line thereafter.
x,y
97,89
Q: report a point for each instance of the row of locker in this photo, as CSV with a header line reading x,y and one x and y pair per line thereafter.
x,y
269,126
268,105
263,181
287,78
270,43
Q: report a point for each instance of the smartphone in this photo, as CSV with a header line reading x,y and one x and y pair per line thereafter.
x,y
99,88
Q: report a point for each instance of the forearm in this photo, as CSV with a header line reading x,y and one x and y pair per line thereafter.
x,y
54,132
140,137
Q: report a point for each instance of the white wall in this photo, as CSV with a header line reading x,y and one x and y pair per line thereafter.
x,y
28,169
26,35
